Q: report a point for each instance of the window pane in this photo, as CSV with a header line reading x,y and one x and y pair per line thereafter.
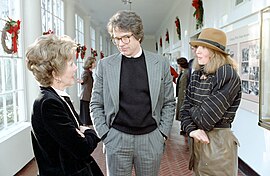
x,y
49,21
52,12
43,4
1,114
44,20
20,110
8,75
11,70
264,116
49,6
1,76
10,113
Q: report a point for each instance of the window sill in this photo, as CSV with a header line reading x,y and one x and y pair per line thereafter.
x,y
13,130
265,124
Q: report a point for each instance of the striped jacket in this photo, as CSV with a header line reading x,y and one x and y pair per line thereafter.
x,y
211,102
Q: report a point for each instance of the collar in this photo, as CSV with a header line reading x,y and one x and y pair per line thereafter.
x,y
60,92
136,55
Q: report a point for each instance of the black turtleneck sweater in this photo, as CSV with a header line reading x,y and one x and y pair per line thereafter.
x,y
135,113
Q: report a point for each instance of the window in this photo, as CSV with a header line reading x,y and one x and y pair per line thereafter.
x,y
100,43
52,13
100,46
264,100
11,73
93,37
79,32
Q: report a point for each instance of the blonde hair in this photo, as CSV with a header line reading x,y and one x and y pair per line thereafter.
x,y
217,59
89,62
49,54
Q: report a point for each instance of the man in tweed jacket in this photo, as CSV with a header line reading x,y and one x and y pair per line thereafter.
x,y
132,102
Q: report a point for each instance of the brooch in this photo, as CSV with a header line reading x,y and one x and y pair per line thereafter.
x,y
203,77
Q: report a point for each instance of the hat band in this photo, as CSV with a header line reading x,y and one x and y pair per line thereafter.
x,y
213,43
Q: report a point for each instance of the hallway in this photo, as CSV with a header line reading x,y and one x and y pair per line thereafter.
x,y
174,162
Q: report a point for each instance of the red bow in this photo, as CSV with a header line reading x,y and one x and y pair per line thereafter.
x,y
13,28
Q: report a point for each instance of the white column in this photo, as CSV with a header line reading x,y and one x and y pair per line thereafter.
x,y
97,41
70,31
70,18
87,39
31,30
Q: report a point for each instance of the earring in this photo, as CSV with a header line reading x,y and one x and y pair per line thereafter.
x,y
58,80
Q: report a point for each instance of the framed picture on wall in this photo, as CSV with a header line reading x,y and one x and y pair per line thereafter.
x,y
244,47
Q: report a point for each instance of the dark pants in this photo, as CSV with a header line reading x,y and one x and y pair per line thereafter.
x,y
85,112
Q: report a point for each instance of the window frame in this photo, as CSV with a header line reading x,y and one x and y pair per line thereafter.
x,y
12,91
79,37
264,100
52,16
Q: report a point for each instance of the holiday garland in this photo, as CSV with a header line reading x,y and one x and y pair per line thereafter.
x,y
101,55
83,51
48,32
198,13
167,36
80,50
178,27
93,52
13,28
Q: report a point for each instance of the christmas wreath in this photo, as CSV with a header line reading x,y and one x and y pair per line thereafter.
x,y
80,49
167,36
93,52
198,13
83,51
101,55
178,27
13,28
48,32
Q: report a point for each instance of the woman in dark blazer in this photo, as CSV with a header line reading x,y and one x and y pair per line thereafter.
x,y
86,90
62,146
181,84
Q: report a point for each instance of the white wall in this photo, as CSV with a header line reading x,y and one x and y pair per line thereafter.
x,y
15,145
15,150
149,43
177,47
254,140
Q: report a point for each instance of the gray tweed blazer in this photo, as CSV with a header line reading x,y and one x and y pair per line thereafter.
x,y
104,104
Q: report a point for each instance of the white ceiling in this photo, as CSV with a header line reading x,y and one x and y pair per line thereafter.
x,y
152,12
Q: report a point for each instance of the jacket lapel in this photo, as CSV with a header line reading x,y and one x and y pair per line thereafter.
x,y
113,74
154,72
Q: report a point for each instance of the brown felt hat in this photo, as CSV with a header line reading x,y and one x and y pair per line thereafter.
x,y
212,38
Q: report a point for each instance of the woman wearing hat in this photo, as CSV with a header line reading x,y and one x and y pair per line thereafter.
x,y
212,98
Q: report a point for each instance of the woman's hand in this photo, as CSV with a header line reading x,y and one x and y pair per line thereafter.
x,y
199,136
79,80
83,128
80,133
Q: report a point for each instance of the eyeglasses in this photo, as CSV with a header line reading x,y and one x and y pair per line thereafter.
x,y
125,39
